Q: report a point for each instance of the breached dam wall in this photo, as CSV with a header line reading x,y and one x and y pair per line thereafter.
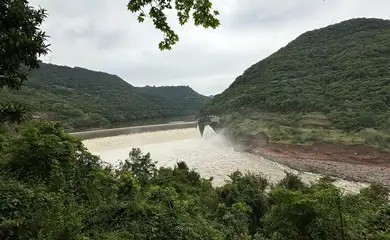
x,y
131,130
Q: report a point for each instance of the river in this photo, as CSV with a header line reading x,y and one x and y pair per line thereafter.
x,y
211,156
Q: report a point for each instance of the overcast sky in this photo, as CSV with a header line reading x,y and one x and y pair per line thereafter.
x,y
102,35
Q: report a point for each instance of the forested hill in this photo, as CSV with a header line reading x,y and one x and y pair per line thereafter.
x,y
341,71
182,96
82,98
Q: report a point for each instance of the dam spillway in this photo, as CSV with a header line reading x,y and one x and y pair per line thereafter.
x,y
211,156
132,130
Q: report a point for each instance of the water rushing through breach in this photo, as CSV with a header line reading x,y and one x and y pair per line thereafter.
x,y
210,156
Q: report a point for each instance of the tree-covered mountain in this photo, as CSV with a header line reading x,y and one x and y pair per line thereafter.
x,y
82,98
340,73
182,96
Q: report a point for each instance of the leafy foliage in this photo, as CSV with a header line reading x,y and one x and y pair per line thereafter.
x,y
21,43
12,113
341,71
201,10
80,98
52,188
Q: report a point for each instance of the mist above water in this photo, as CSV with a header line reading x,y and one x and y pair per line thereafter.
x,y
211,156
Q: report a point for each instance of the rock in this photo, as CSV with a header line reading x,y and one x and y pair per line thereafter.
x,y
259,139
242,148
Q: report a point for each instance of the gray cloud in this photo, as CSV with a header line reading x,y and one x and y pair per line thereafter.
x,y
104,39
102,35
272,13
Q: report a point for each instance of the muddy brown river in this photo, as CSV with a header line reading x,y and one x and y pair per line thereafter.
x,y
211,155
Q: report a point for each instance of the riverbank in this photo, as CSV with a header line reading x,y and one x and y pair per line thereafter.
x,y
354,166
354,163
311,143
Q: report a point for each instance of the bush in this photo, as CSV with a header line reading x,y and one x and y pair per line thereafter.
x,y
52,188
376,139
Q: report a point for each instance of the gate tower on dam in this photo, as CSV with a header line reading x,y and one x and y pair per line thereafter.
x,y
203,121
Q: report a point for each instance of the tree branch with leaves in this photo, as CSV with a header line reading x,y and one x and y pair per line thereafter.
x,y
21,43
201,11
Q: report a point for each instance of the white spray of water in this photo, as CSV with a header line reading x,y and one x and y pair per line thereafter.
x,y
211,156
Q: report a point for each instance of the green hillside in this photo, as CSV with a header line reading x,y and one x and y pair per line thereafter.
x,y
184,96
82,98
337,77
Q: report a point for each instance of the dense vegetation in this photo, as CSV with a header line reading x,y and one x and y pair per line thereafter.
x,y
53,188
81,98
21,43
339,73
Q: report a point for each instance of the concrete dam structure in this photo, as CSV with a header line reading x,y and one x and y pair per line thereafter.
x,y
132,130
204,121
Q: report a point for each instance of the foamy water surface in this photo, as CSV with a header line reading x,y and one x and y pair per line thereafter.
x,y
211,155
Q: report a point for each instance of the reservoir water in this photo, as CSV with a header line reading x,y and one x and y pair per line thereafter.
x,y
211,156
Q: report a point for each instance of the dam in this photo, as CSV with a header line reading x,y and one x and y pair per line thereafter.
x,y
211,156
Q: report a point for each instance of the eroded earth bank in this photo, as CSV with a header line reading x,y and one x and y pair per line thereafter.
x,y
357,163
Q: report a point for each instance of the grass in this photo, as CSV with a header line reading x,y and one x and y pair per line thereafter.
x,y
301,129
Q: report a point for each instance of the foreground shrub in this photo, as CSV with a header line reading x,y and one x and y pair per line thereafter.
x,y
51,187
